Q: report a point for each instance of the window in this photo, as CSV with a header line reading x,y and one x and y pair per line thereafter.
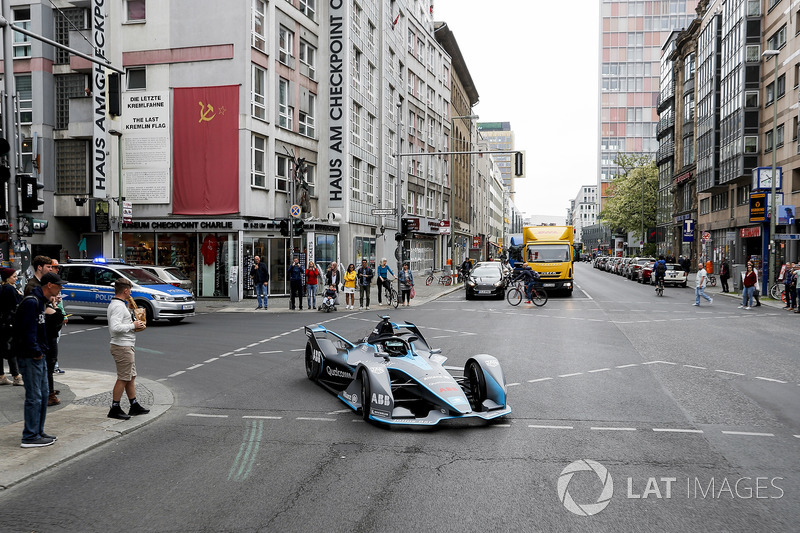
x,y
688,67
768,141
772,4
411,40
68,86
286,46
135,10
71,166
752,53
307,59
355,21
369,185
282,173
794,128
778,39
259,35
24,98
308,104
311,179
370,133
137,78
355,124
259,96
781,85
743,195
770,96
705,206
285,109
370,80
688,107
751,99
22,43
797,75
753,8
751,144
67,20
258,176
779,132
309,8
356,75
355,178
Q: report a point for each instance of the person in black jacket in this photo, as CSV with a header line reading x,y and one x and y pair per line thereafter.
x,y
724,274
296,282
364,283
30,345
260,275
10,298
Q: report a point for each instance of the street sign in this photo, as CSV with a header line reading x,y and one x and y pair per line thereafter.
x,y
706,236
758,207
787,236
127,212
383,212
688,230
295,211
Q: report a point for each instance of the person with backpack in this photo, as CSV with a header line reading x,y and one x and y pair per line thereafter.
x,y
660,271
10,298
724,274
29,343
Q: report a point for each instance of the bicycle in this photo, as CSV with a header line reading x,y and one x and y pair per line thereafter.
x,y
660,287
515,293
773,292
391,295
444,279
712,280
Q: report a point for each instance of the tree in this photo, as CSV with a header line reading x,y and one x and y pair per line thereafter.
x,y
633,195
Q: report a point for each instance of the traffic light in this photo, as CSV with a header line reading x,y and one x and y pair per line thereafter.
x,y
28,225
114,95
284,225
30,187
518,170
299,228
5,171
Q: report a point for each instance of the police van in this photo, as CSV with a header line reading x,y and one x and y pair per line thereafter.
x,y
89,288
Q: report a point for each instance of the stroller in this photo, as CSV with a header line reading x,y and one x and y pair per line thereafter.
x,y
328,301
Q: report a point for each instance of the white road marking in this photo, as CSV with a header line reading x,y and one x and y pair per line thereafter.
x,y
672,430
548,427
211,360
226,354
198,415
770,379
511,384
178,373
297,350
263,417
599,370
586,294
729,372
272,351
611,429
500,425
697,367
628,366
238,349
198,365
570,375
162,379
92,329
537,380
340,411
251,345
748,433
316,419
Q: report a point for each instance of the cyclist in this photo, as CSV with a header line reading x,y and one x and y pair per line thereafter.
x,y
529,277
383,280
660,270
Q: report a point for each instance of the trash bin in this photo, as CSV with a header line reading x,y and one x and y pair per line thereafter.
x,y
736,276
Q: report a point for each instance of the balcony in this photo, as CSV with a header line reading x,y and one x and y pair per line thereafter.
x,y
77,42
667,151
664,124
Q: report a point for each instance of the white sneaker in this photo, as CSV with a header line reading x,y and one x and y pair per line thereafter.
x,y
367,308
698,305
748,307
360,307
710,301
741,307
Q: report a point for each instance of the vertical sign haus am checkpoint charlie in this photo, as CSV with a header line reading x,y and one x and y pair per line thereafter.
x,y
336,104
99,140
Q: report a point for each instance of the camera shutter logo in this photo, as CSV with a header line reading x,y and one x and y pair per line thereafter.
x,y
588,509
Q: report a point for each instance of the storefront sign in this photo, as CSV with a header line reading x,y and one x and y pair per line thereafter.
x,y
337,66
146,152
186,225
758,207
476,241
99,136
749,233
688,230
444,227
683,177
786,214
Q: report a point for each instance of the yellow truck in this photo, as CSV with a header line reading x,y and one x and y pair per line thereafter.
x,y
549,251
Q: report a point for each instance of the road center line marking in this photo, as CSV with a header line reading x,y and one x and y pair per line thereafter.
x,y
263,417
697,367
628,366
198,365
729,372
611,429
239,349
316,419
599,370
537,380
570,375
770,379
500,425
251,345
199,415
226,354
272,351
211,360
178,373
340,411
297,350
674,430
511,384
548,427
748,433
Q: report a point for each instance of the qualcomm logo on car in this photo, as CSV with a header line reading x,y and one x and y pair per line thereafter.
x,y
338,373
587,509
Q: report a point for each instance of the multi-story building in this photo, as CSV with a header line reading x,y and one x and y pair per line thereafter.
x,y
310,100
583,211
501,137
631,35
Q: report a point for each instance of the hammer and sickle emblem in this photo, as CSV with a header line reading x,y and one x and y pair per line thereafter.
x,y
206,112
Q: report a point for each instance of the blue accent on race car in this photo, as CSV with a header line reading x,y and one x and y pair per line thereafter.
x,y
493,389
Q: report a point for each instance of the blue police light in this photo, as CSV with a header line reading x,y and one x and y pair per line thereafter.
x,y
99,261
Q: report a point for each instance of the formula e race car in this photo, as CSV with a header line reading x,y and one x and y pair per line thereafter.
x,y
394,377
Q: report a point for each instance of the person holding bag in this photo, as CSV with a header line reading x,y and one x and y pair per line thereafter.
x,y
406,285
122,325
749,282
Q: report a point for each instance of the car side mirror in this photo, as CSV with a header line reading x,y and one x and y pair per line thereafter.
x,y
412,339
436,351
383,354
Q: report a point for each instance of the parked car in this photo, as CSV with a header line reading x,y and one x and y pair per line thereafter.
x,y
169,274
636,266
645,272
89,289
622,266
675,275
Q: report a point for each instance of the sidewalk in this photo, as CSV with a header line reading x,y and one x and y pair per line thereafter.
x,y
716,292
79,422
280,304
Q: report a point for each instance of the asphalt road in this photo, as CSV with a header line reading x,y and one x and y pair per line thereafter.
x,y
688,416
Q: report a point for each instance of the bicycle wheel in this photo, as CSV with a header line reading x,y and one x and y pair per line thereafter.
x,y
773,292
393,299
448,280
539,297
514,296
712,280
429,280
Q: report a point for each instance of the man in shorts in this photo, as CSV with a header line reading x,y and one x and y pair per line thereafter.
x,y
123,329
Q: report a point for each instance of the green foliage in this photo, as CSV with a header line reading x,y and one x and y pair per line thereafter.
x,y
633,191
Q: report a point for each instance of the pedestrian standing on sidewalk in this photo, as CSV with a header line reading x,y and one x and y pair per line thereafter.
x,y
406,284
364,283
260,275
123,328
724,274
790,284
10,297
701,279
29,343
796,273
350,286
383,279
296,283
749,281
41,265
312,273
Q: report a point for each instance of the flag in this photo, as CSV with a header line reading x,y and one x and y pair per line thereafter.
x,y
395,20
205,174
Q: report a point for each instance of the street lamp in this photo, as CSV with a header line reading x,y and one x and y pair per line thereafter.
x,y
772,207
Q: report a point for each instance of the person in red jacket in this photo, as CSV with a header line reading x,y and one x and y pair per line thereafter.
x,y
312,273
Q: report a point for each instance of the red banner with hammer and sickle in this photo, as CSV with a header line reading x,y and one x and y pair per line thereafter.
x,y
205,172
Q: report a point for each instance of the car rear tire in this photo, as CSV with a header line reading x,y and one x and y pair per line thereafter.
x,y
312,366
366,395
476,382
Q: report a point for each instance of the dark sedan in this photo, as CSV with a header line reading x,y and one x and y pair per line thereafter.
x,y
486,280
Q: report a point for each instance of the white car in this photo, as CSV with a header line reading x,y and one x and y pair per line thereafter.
x,y
170,274
675,275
